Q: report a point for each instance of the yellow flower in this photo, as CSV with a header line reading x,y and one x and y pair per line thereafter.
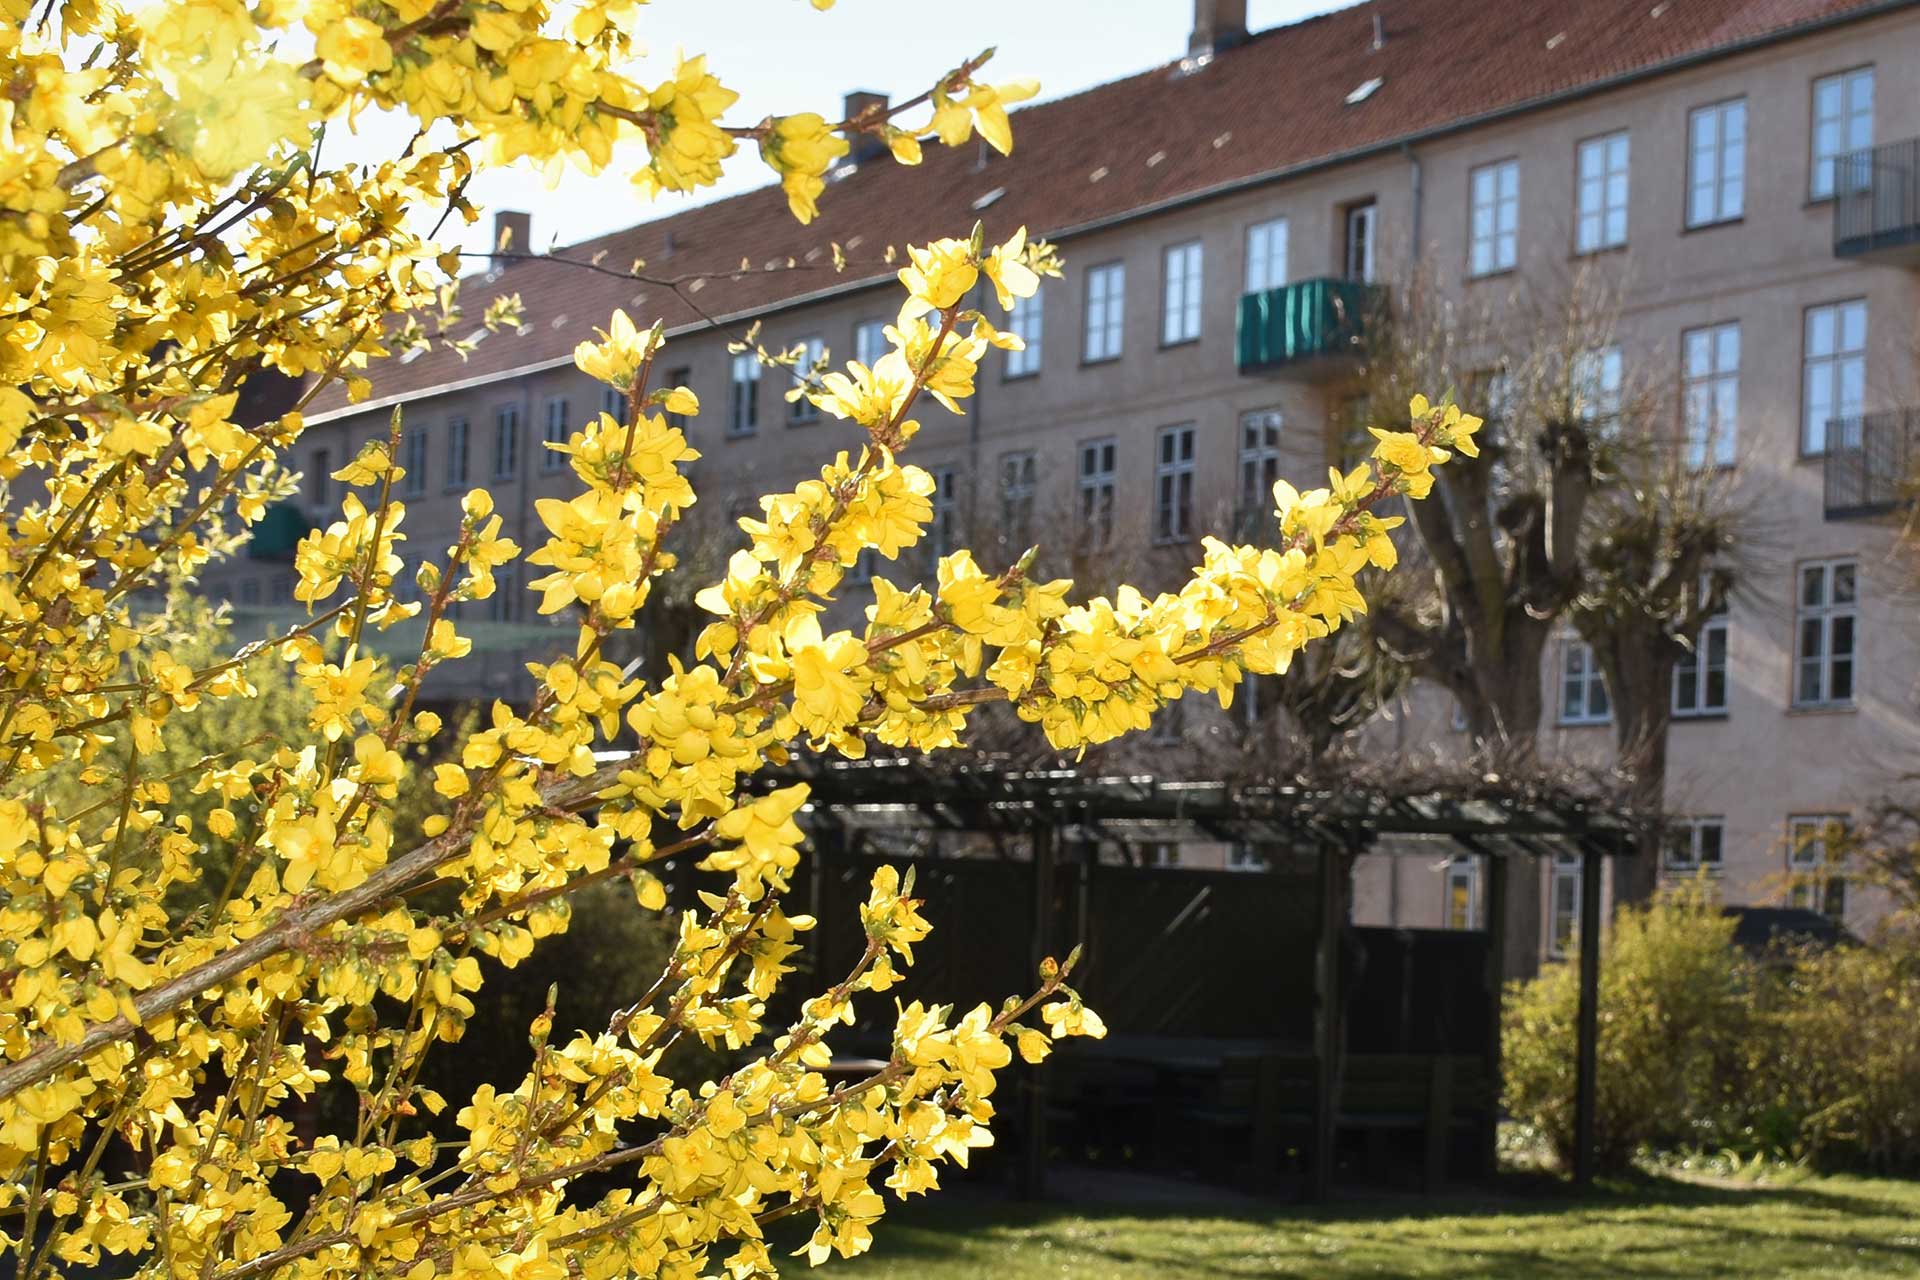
x,y
352,48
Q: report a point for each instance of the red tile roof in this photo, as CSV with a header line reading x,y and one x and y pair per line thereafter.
x,y
1273,105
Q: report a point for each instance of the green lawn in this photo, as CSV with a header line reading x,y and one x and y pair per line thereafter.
x,y
1810,1227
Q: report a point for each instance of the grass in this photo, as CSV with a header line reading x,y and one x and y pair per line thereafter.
x,y
1829,1226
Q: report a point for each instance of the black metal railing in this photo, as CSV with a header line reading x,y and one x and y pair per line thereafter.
x,y
1876,199
1870,463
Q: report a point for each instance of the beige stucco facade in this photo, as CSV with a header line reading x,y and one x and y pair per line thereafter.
x,y
1755,765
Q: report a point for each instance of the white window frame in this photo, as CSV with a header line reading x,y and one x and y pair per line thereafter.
x,y
1096,486
320,477
1025,321
1019,472
1602,183
743,394
613,403
413,445
1815,886
1182,280
1106,300
1493,217
1695,844
1708,658
506,441
1564,889
804,412
1580,681
1174,452
1842,123
1462,872
1833,369
1710,393
559,411
869,341
1259,466
1717,163
1266,255
1823,621
943,529
505,586
1358,259
458,440
1599,382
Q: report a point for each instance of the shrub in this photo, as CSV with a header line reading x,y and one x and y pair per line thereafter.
x,y
1675,1009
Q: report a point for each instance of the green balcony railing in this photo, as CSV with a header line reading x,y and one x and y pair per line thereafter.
x,y
1301,326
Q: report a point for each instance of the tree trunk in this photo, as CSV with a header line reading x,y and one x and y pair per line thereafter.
x,y
1640,677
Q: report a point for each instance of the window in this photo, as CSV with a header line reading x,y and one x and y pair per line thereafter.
x,y
1700,676
1359,264
1023,321
506,441
1495,233
1710,393
1106,302
1815,884
1180,293
1160,853
1824,643
1833,380
678,378
558,412
1017,476
1716,163
1842,122
1563,905
500,604
1597,381
1463,893
802,411
613,403
280,589
250,591
1600,193
456,452
943,531
1266,255
1173,485
860,572
1246,857
320,477
1583,689
1096,493
869,341
414,450
1695,844
743,395
1259,469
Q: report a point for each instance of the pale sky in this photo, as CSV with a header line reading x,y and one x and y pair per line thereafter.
x,y
783,56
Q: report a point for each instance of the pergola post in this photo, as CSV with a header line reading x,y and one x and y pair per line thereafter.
x,y
1044,837
1587,1045
1499,885
1329,1030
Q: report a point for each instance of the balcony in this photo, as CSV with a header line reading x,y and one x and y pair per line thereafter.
x,y
1870,463
1309,331
1876,204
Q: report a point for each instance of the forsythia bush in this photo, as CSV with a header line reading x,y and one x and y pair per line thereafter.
x,y
169,224
1798,1053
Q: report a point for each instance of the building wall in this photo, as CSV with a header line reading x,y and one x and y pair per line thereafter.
x,y
1756,765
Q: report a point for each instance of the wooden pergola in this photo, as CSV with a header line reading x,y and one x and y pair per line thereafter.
x,y
1064,809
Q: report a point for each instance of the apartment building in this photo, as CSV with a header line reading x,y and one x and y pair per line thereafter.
x,y
1746,170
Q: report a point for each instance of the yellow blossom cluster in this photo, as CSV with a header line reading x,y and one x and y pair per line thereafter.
x,y
177,982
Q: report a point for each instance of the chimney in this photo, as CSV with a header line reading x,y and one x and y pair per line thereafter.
x,y
865,146
516,228
1218,25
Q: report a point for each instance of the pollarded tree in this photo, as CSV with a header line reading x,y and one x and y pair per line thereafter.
x,y
1591,507
169,224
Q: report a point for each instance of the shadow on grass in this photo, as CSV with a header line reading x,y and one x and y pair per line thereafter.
x,y
1517,1227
